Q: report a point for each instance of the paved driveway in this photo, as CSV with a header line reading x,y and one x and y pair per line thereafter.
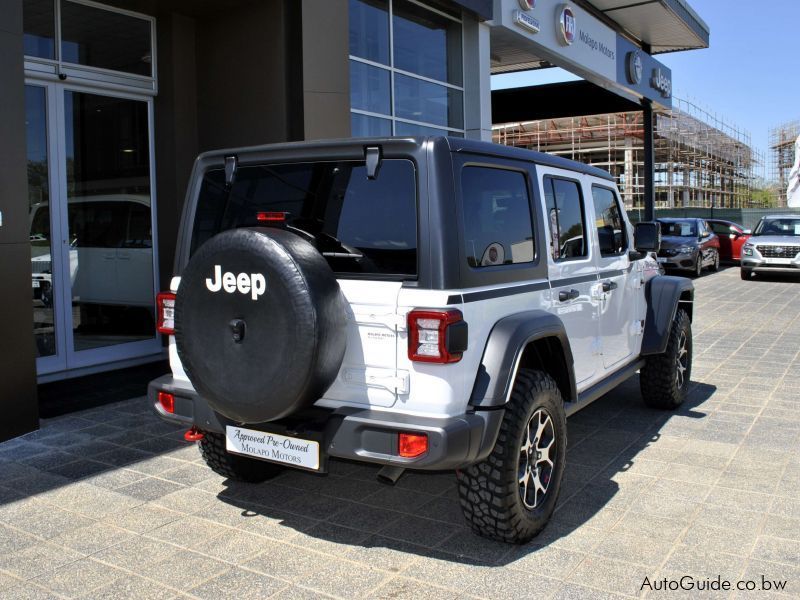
x,y
111,503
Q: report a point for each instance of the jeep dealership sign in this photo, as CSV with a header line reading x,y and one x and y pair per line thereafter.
x,y
570,37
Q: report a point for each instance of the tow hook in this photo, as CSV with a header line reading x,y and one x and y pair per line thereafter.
x,y
193,435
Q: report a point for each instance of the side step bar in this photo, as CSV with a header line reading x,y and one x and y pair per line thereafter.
x,y
601,388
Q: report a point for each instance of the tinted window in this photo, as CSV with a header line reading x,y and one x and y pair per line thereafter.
x,y
608,219
721,228
360,226
39,26
565,218
787,226
98,223
369,29
497,217
679,228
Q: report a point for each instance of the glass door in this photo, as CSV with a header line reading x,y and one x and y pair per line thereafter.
x,y
43,221
106,185
92,238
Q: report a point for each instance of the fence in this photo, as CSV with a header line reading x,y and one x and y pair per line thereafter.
x,y
748,217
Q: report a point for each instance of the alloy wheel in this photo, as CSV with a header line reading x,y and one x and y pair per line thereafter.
x,y
537,459
682,360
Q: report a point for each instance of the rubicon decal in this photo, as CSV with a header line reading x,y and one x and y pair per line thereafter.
x,y
254,284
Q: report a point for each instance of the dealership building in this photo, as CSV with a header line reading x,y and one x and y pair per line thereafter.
x,y
104,107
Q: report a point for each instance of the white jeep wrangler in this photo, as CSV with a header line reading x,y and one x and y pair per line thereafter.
x,y
425,303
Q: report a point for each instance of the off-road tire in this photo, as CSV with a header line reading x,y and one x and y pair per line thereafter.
x,y
231,466
745,274
659,379
489,491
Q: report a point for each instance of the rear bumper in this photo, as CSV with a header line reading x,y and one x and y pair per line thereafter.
x,y
351,433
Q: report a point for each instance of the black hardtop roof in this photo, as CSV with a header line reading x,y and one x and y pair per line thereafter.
x,y
316,147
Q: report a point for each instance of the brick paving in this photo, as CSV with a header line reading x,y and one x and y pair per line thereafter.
x,y
111,503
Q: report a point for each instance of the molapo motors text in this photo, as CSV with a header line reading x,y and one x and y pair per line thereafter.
x,y
597,46
275,448
687,582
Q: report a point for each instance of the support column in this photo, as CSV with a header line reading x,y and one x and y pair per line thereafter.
x,y
649,161
477,80
19,403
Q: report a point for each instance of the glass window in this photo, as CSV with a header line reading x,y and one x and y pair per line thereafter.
x,y
497,217
369,30
420,100
366,126
721,228
402,128
426,43
608,218
679,228
369,88
39,27
565,218
102,38
361,226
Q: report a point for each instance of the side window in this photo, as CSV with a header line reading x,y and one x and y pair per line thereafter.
x,y
565,218
497,217
721,228
610,225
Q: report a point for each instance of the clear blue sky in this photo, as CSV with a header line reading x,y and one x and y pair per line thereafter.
x,y
750,75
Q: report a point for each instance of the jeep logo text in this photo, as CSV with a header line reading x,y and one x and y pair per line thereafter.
x,y
254,284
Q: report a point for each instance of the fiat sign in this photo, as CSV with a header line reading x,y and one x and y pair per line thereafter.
x,y
567,25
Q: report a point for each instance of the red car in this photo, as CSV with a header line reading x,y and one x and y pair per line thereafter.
x,y
732,237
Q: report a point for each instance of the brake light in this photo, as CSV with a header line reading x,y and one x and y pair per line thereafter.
x,y
271,217
412,445
436,336
167,401
165,306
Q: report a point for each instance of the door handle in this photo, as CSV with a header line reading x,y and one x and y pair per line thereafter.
x,y
609,285
566,296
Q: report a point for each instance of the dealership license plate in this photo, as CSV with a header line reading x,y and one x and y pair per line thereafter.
x,y
273,447
34,283
778,261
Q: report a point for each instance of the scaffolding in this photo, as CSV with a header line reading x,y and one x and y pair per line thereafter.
x,y
700,160
781,146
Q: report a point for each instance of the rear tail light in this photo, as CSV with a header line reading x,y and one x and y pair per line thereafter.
x,y
167,401
165,305
412,445
436,336
271,217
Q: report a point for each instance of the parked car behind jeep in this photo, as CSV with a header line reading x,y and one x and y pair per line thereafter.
x,y
688,245
774,247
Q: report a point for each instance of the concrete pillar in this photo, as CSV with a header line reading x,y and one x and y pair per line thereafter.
x,y
19,403
477,80
326,69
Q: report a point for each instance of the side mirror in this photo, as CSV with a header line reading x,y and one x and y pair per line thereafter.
x,y
647,237
705,235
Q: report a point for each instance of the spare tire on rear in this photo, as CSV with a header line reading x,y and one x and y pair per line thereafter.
x,y
260,324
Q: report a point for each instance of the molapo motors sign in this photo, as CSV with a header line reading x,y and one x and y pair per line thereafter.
x,y
566,35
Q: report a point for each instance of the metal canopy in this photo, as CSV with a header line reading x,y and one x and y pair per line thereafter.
x,y
666,25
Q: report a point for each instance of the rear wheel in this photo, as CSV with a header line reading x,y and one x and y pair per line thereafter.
x,y
511,495
232,466
715,264
664,380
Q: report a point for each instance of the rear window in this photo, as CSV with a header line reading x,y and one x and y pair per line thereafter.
x,y
361,226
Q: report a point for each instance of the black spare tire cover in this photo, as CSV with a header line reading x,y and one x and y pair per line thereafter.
x,y
259,324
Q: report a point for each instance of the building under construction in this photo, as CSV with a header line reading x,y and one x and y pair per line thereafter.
x,y
700,160
781,147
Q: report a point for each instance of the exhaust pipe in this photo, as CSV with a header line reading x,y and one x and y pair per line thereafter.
x,y
389,474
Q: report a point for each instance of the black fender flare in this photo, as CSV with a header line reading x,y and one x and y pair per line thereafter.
x,y
504,347
663,294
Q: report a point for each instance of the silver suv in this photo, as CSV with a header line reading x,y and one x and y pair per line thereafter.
x,y
774,246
